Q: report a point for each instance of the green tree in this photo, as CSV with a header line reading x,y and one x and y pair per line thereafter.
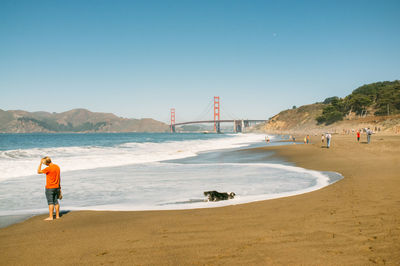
x,y
358,102
330,114
384,97
330,99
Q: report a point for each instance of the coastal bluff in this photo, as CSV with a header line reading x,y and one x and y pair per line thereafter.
x,y
303,120
375,106
76,120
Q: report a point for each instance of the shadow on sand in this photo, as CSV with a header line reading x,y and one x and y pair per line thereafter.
x,y
62,213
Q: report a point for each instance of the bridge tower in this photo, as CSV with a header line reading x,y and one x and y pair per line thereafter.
x,y
238,125
217,127
172,120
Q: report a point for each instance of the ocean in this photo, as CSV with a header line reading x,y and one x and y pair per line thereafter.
x,y
145,171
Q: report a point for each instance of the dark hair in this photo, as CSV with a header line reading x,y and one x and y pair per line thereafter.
x,y
48,160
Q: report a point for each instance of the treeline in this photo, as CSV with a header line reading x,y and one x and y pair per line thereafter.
x,y
382,97
56,127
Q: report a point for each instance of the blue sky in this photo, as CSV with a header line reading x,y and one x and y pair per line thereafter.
x,y
140,58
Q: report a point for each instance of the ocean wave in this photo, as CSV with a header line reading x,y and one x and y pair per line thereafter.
x,y
165,186
24,162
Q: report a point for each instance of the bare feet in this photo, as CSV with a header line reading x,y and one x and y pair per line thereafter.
x,y
57,217
49,219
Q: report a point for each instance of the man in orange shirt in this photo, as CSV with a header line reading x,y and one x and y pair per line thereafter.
x,y
52,172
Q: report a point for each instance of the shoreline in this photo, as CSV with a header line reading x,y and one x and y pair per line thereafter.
x,y
241,155
11,219
354,221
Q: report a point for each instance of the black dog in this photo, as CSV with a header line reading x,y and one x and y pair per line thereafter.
x,y
217,196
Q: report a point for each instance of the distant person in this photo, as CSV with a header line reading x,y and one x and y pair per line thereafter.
x,y
358,135
294,138
322,139
305,139
308,139
369,133
328,140
52,172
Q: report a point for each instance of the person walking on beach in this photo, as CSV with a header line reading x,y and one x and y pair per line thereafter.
x,y
369,133
328,140
358,135
52,172
308,139
322,139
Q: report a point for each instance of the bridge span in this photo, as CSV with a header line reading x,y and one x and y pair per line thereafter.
x,y
239,124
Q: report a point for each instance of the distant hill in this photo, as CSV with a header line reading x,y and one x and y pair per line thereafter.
x,y
375,105
76,120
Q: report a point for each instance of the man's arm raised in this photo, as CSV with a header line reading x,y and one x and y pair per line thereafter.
x,y
39,170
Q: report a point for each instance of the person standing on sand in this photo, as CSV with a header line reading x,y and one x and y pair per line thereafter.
x,y
328,140
358,135
322,139
308,139
52,172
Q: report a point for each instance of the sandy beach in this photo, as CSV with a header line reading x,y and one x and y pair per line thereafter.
x,y
355,221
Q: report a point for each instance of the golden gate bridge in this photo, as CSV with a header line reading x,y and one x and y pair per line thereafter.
x,y
239,124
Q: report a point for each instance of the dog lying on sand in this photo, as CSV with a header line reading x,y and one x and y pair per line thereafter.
x,y
217,196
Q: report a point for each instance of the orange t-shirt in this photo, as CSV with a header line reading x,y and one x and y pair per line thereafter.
x,y
52,176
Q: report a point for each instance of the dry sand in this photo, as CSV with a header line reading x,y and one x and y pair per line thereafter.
x,y
355,221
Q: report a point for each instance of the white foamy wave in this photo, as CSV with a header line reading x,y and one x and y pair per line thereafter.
x,y
16,163
162,186
298,181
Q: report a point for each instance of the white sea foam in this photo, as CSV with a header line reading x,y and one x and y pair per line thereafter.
x,y
161,186
23,162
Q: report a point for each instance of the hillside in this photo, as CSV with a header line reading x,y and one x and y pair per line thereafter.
x,y
298,119
375,105
76,120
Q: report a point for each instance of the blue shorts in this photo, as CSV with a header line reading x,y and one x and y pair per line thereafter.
x,y
52,195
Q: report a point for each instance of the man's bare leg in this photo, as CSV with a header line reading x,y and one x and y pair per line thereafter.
x,y
51,209
57,211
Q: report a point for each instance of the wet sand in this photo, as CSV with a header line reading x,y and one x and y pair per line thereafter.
x,y
355,221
